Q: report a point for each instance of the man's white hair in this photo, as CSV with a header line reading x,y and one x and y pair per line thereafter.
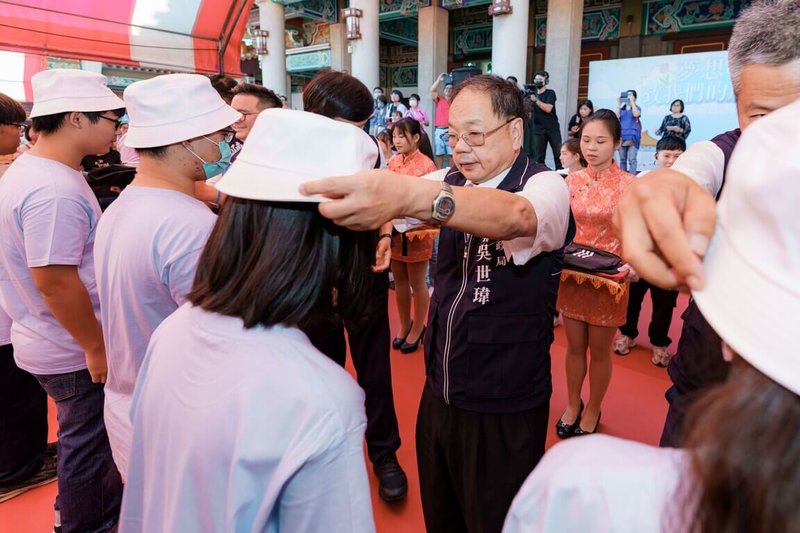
x,y
766,33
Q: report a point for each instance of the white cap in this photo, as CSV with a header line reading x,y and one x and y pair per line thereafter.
x,y
64,90
286,148
172,108
752,293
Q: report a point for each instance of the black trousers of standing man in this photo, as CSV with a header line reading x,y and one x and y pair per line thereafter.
x,y
543,137
471,465
369,340
697,366
23,421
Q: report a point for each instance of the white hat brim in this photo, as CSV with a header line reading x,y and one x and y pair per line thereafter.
x,y
740,303
166,134
79,104
258,182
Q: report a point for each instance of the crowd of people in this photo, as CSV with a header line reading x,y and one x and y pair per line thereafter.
x,y
192,333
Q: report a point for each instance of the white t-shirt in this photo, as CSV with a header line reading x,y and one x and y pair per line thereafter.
x,y
129,156
244,430
5,320
704,162
601,484
549,195
5,328
146,252
48,216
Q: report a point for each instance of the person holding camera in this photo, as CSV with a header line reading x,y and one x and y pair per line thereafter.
x,y
546,129
442,150
628,114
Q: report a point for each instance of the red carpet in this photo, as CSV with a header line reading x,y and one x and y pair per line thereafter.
x,y
634,408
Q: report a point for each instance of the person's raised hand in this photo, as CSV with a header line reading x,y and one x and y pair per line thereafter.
x,y
665,221
365,200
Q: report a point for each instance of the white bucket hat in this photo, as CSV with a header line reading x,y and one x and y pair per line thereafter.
x,y
752,293
64,90
286,148
172,108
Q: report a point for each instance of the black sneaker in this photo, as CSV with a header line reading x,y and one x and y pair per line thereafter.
x,y
45,475
392,481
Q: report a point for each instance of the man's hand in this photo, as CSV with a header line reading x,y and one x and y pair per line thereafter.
x,y
96,365
665,221
368,199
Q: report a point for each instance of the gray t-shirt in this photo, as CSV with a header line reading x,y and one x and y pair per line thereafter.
x,y
148,244
244,430
48,216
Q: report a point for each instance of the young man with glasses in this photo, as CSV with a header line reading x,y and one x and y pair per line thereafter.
x,y
150,238
483,416
48,218
250,100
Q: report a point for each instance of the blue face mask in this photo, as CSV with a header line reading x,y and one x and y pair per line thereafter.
x,y
211,169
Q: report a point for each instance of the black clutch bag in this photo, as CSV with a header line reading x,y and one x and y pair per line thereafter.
x,y
590,260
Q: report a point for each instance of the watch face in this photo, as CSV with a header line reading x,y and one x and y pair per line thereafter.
x,y
445,207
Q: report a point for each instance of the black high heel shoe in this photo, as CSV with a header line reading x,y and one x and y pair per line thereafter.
x,y
578,431
564,430
398,342
410,347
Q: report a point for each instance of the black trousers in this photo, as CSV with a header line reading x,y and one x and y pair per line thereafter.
x,y
471,465
543,137
23,421
697,366
664,302
370,341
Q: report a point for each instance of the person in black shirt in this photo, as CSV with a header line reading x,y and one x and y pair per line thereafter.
x,y
585,108
546,129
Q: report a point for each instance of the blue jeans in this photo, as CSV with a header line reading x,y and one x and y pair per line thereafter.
x,y
89,485
627,158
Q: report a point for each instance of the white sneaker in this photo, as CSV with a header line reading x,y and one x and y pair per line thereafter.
x,y
623,345
661,356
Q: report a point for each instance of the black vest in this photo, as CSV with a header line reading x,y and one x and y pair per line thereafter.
x,y
487,347
726,142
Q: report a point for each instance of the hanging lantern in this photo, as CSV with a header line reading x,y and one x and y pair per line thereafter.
x,y
261,42
352,17
500,7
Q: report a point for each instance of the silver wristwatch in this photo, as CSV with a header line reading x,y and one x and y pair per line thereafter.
x,y
444,205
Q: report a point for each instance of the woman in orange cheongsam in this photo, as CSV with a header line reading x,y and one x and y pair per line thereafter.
x,y
412,249
592,313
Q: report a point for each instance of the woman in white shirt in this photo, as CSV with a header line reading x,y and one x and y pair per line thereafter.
x,y
740,471
240,424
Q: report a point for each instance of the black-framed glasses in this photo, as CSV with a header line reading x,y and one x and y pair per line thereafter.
x,y
246,114
117,122
20,126
473,138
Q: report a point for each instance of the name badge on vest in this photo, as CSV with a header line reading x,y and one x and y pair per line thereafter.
x,y
488,256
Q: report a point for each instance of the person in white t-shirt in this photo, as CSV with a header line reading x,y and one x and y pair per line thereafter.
x,y
239,423
23,403
740,470
48,218
149,239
